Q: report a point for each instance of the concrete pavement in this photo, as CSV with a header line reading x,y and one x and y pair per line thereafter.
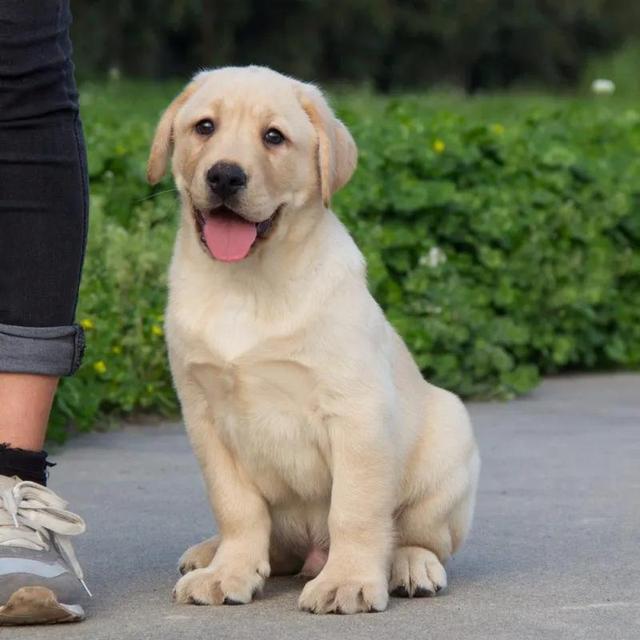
x,y
554,553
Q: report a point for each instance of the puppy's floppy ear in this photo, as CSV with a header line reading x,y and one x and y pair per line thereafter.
x,y
163,139
337,152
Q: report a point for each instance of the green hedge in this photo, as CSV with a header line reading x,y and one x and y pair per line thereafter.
x,y
501,235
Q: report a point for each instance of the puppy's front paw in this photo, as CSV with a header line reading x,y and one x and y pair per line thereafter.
x,y
223,584
332,592
199,556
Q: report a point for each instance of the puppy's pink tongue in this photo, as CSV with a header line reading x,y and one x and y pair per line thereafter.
x,y
229,239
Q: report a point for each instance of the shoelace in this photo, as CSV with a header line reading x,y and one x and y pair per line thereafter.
x,y
33,516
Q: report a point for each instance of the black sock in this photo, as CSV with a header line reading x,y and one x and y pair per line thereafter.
x,y
27,465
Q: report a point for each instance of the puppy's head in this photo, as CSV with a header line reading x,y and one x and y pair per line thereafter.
x,y
252,151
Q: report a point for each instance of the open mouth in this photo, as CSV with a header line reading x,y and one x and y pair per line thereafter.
x,y
227,235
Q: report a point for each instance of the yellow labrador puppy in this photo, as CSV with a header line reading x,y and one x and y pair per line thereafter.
x,y
324,452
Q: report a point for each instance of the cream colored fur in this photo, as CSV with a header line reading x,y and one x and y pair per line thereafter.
x,y
313,426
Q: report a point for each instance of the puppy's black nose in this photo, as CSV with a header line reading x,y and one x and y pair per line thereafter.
x,y
226,179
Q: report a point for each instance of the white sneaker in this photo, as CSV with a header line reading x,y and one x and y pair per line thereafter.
x,y
41,581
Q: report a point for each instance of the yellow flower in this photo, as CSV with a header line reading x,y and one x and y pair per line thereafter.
x,y
439,146
497,128
156,329
117,349
100,367
87,324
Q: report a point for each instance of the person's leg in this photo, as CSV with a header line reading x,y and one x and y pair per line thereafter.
x,y
43,211
43,205
25,403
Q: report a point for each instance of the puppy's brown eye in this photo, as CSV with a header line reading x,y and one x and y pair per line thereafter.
x,y
205,127
274,137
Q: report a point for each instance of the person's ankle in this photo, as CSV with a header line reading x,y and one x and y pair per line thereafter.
x,y
26,465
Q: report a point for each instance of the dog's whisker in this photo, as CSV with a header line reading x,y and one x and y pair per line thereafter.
x,y
157,193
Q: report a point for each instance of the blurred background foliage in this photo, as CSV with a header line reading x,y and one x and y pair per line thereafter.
x,y
386,44
501,234
497,198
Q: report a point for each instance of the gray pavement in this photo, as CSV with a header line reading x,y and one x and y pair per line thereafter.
x,y
554,553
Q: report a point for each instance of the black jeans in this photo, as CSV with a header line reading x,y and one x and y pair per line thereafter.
x,y
43,190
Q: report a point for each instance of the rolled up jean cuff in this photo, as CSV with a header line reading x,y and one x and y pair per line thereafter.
x,y
49,351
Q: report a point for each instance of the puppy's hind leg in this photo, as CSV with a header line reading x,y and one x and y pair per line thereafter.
x,y
436,519
201,555
416,572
